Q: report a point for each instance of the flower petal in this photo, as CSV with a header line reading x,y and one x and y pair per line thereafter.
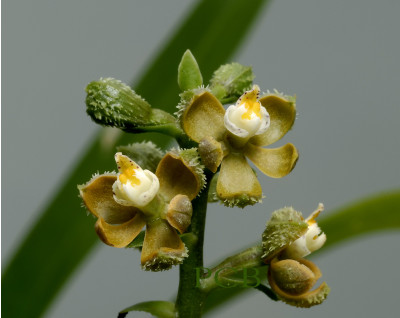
x,y
204,117
177,177
275,163
212,152
97,195
282,112
237,183
179,213
120,235
162,246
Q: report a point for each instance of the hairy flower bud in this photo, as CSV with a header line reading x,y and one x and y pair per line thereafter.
x,y
189,75
112,103
309,242
231,80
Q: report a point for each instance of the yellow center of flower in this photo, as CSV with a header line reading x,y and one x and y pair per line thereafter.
x,y
129,175
127,169
251,103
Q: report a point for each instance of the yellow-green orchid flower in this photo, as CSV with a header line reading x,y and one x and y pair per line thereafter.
x,y
126,201
226,138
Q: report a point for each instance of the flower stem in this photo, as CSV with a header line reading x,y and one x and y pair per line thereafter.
x,y
190,298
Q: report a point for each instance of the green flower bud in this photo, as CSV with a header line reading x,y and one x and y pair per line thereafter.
x,y
285,226
189,75
231,80
112,103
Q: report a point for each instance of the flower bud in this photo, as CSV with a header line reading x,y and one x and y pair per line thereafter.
x,y
189,75
112,103
285,226
134,186
292,277
231,80
292,281
311,241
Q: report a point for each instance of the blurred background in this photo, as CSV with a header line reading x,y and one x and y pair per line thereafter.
x,y
339,57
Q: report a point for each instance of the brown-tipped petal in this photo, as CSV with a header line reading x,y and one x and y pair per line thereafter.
x,y
204,117
306,300
120,235
162,247
177,177
237,183
179,213
211,152
282,114
98,198
275,163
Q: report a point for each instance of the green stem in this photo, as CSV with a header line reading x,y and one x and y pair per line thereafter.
x,y
248,258
190,299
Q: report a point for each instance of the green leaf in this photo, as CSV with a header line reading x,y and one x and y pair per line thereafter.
x,y
379,213
159,309
52,248
189,75
374,214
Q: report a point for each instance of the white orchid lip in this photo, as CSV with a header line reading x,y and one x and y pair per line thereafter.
x,y
247,117
311,241
134,186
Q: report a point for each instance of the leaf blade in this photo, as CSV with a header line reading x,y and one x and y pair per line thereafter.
x,y
159,309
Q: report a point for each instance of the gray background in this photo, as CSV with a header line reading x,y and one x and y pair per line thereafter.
x,y
339,57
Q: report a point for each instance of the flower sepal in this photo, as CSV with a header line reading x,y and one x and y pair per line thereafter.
x,y
162,247
285,226
237,183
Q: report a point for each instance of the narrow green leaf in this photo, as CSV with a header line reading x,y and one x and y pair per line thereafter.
x,y
374,214
159,309
63,236
379,213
